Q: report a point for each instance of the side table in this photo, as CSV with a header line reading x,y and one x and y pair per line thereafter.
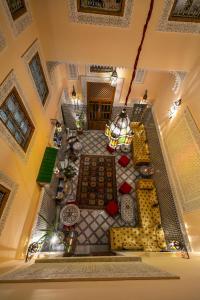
x,y
70,214
146,171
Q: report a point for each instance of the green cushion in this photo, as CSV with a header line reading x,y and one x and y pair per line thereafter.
x,y
47,165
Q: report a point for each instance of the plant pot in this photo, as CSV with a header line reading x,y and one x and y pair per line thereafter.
x,y
79,130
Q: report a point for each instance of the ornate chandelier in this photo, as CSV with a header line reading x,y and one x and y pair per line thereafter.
x,y
118,131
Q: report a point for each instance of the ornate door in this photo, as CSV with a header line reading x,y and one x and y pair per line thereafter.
x,y
99,104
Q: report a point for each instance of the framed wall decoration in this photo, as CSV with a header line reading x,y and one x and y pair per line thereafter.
x,y
4,194
17,8
180,16
104,7
17,122
185,11
36,68
8,190
115,13
18,13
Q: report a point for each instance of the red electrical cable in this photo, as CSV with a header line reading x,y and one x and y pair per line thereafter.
x,y
139,49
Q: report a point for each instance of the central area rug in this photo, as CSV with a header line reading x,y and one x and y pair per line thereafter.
x,y
96,181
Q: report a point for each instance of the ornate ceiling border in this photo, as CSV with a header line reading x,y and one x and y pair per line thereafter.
x,y
27,56
22,22
5,88
104,20
175,26
2,42
12,186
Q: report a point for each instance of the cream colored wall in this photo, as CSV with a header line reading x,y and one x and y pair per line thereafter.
x,y
187,287
190,97
152,80
87,44
22,212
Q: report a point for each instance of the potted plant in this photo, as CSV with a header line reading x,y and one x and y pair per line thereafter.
x,y
69,172
79,122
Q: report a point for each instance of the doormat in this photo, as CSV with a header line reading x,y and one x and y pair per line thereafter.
x,y
96,181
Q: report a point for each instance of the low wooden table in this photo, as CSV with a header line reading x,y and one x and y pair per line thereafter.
x,y
127,206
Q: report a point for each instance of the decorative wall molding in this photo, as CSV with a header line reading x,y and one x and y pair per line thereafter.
x,y
5,88
12,186
72,71
27,56
175,26
97,19
179,76
184,156
2,41
85,79
21,23
140,76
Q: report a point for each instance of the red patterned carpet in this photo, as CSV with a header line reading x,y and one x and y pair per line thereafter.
x,y
96,181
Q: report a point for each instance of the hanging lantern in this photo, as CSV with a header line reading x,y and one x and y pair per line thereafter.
x,y
119,131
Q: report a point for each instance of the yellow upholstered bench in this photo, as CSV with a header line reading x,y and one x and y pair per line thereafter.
x,y
149,211
129,238
149,236
140,146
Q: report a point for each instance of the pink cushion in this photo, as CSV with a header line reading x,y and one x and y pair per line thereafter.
x,y
112,208
110,149
125,188
123,161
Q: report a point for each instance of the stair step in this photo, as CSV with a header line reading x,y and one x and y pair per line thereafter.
x,y
88,259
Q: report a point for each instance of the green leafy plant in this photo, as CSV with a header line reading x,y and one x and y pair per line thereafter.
x,y
52,232
80,120
69,172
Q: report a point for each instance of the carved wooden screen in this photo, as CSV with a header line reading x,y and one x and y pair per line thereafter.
x,y
100,100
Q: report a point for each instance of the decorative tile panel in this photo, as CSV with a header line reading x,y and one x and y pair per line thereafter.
x,y
172,221
21,23
175,26
184,156
96,19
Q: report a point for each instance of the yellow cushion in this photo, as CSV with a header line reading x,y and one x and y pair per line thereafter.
x,y
161,238
156,215
145,184
153,197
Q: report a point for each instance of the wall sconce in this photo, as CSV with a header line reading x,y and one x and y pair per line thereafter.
x,y
75,99
174,108
113,78
144,99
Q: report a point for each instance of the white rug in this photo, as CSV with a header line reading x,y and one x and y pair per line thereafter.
x,y
74,271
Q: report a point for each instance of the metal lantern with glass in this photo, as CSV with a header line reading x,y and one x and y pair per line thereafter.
x,y
118,131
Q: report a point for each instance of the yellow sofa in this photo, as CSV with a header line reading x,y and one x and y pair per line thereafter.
x,y
140,146
138,238
149,212
149,236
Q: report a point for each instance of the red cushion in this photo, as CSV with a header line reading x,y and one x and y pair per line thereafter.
x,y
123,161
112,208
110,149
125,188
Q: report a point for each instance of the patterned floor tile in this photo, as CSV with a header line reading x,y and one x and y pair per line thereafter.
x,y
93,225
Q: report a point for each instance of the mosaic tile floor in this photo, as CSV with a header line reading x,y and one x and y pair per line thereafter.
x,y
93,226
